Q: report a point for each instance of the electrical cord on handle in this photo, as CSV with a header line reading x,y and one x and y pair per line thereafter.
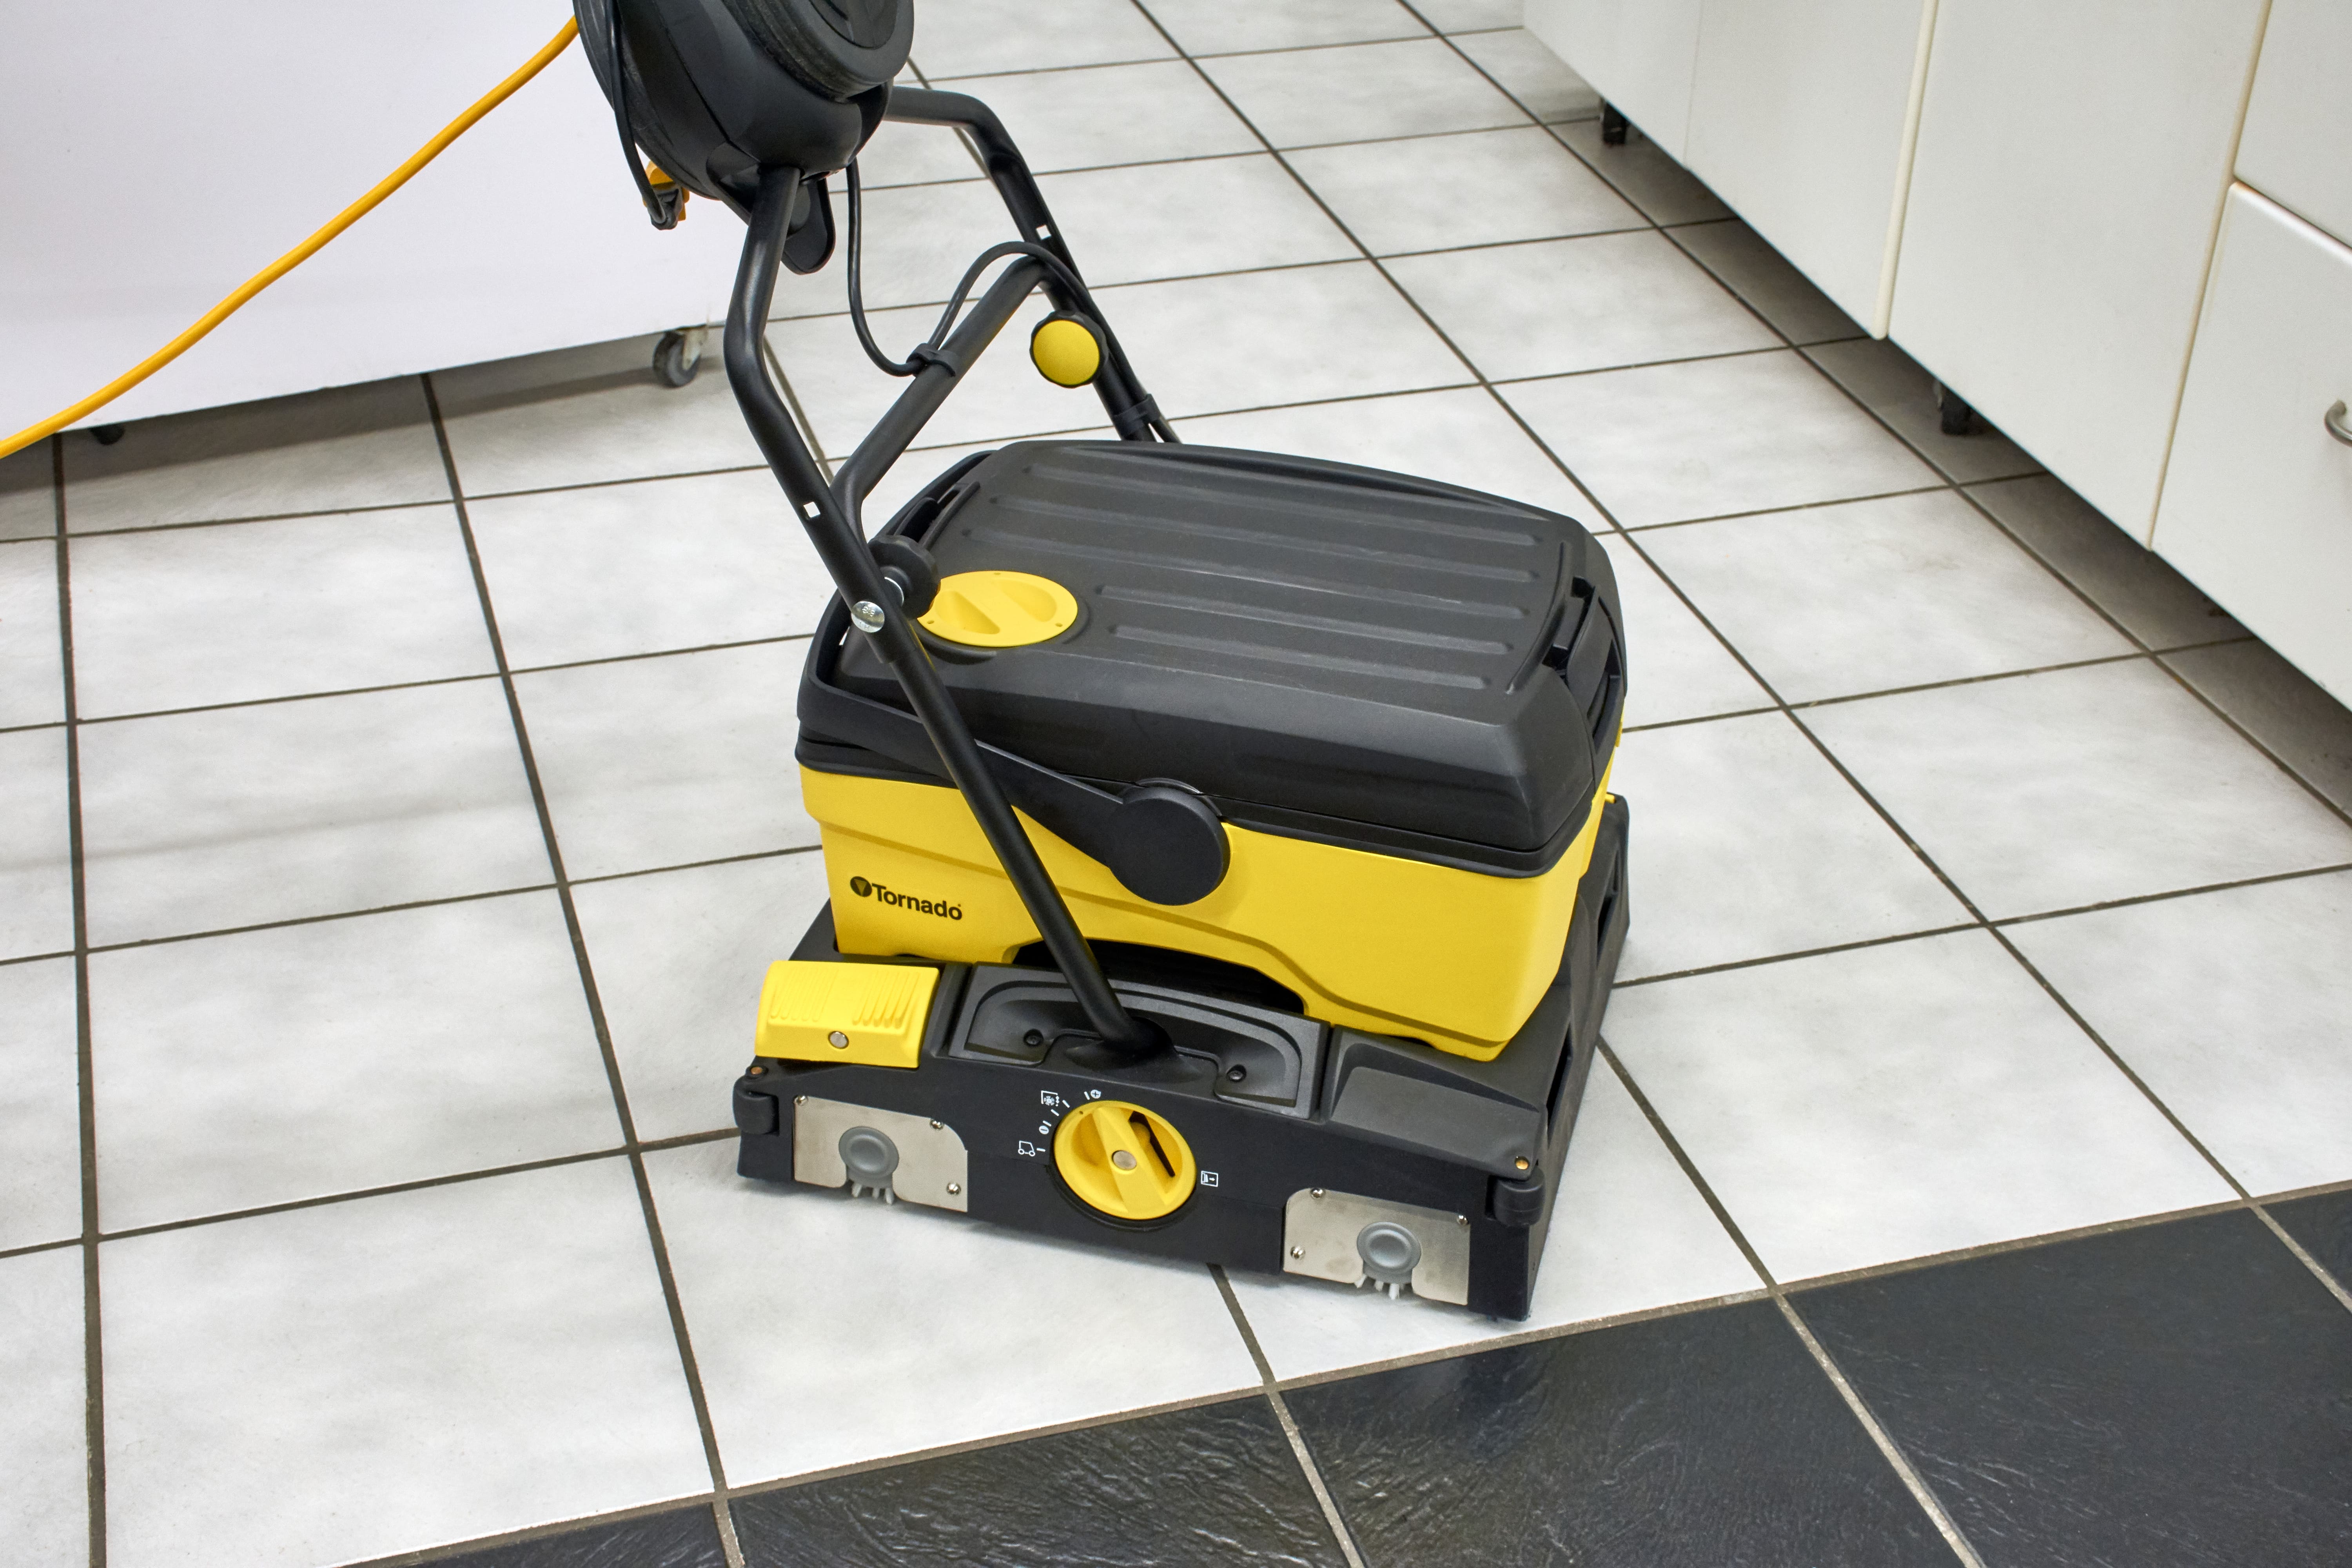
x,y
929,348
300,254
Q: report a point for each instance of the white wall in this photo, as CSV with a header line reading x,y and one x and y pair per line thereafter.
x,y
157,154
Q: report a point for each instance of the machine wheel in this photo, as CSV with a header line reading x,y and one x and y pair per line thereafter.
x,y
678,356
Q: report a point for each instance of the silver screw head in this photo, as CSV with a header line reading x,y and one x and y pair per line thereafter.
x,y
839,1041
936,1123
1461,1219
1122,1159
1297,1252
954,1187
1317,1191
866,615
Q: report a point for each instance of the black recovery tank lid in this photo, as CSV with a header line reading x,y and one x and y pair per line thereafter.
x,y
1323,650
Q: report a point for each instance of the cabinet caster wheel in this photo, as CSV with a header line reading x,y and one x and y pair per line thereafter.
x,y
678,356
1613,126
1958,417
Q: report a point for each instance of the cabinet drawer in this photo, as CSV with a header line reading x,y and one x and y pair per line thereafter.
x,y
2297,149
2257,505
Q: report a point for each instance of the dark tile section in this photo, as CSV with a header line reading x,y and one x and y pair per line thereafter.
x,y
684,1537
2179,1394
2113,570
2322,1224
1709,1440
1218,1485
2280,706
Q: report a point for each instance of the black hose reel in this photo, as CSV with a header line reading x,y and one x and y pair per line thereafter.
x,y
715,90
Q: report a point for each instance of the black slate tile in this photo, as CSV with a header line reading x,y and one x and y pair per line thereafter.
x,y
2176,1394
1709,1440
2324,1226
683,1537
1216,1485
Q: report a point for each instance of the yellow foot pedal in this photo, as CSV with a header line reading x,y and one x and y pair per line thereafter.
x,y
1124,1160
868,1012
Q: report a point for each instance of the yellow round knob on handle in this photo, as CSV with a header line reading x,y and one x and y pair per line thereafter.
x,y
1067,349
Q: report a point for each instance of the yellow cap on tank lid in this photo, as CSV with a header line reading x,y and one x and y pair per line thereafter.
x,y
1000,609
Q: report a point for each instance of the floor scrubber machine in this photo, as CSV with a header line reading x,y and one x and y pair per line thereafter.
x,y
1220,858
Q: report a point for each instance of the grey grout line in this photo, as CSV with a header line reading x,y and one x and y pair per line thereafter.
x,y
1912,1480
634,1149
2319,1270
85,1060
1299,1451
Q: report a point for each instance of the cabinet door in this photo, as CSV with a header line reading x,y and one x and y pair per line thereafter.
x,y
2065,192
1637,54
1800,118
2297,148
2258,499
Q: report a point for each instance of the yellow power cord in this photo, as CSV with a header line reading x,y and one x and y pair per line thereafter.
x,y
295,256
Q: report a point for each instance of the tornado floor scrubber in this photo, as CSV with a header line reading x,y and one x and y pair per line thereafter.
x,y
1221,855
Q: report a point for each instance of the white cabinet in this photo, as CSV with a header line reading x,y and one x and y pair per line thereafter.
x,y
2297,149
1637,54
2258,499
2070,166
1800,114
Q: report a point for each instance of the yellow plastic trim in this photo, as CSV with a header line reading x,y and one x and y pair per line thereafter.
x,y
1001,609
1128,1161
1368,941
300,254
868,1012
1065,351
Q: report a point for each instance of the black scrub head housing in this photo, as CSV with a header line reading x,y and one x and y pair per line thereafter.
x,y
715,90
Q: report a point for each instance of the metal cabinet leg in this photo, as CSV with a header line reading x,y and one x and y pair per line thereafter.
x,y
1613,126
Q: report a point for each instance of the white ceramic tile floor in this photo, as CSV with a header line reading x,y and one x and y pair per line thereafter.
x,y
237,816
339,1056
1518,62
966,1354
2075,787
355,1377
36,864
675,955
326,451
649,762
2233,1007
1752,844
484,1356
1666,443
194,617
40,1104
1898,1101
44,1505
1560,306
1356,93
649,567
1479,187
1872,595
32,684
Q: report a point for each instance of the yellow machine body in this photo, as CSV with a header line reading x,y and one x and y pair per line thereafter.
x,y
1370,941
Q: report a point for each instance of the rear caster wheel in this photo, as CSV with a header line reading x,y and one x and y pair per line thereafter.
x,y
678,356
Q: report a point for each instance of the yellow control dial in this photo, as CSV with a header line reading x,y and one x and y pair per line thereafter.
x,y
1128,1161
